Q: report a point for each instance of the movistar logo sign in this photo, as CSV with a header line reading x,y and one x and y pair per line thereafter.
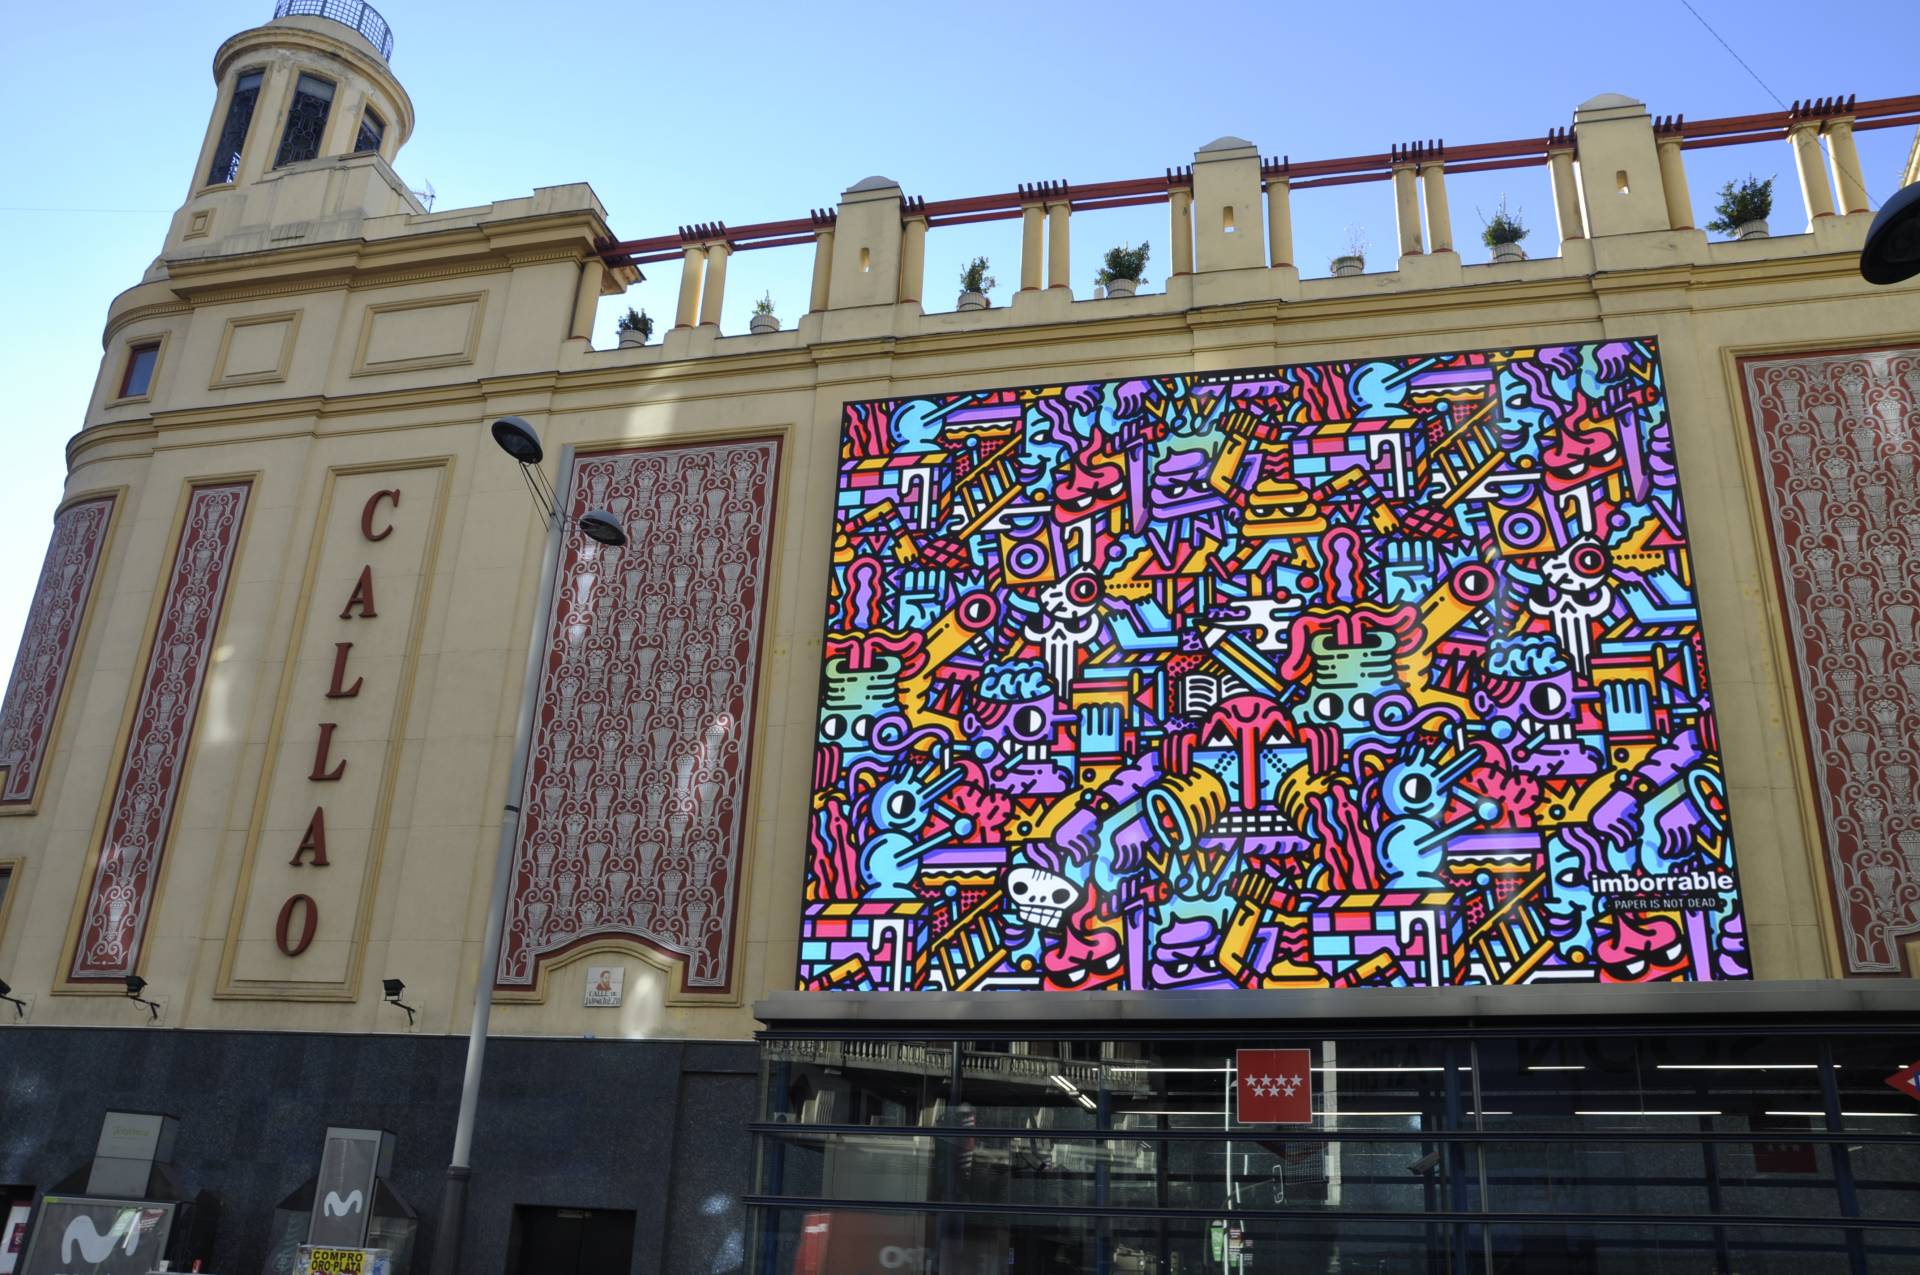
x,y
334,1206
94,1247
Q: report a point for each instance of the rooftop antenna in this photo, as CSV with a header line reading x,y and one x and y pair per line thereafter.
x,y
425,195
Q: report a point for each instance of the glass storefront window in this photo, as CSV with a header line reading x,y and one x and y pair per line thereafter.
x,y
1630,1152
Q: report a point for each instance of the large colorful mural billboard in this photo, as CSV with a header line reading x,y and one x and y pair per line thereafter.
x,y
1378,673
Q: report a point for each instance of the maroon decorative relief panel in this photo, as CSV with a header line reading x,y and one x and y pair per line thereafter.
x,y
1835,435
120,898
636,790
48,645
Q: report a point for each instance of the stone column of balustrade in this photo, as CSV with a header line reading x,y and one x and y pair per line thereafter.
x,y
1406,207
1181,211
1059,256
1811,166
913,256
692,263
713,292
1031,246
1566,195
1433,181
1847,174
1673,182
818,294
1279,222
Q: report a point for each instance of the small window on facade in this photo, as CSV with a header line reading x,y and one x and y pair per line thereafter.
x,y
138,378
306,121
372,129
233,133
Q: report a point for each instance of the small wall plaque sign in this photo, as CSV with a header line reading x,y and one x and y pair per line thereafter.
x,y
604,984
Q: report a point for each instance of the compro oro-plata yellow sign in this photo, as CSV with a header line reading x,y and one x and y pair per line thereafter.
x,y
345,1261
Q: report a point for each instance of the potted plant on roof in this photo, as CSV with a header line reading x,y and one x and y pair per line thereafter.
x,y
635,328
1743,208
763,319
1354,259
975,283
1503,232
1123,270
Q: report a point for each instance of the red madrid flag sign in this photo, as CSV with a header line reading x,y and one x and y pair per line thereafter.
x,y
1274,1086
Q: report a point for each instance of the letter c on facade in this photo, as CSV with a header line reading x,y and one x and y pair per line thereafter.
x,y
371,509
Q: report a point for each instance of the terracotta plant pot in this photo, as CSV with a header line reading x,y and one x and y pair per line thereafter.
x,y
631,337
1509,252
763,323
1348,265
971,301
1751,230
1122,287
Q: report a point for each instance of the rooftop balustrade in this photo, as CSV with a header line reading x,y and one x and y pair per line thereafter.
x,y
1611,133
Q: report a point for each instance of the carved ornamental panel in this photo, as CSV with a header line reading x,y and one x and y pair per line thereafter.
x,y
637,786
124,876
49,644
1835,439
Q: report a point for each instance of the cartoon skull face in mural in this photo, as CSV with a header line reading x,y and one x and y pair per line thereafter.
x,y
1069,618
1570,593
1041,898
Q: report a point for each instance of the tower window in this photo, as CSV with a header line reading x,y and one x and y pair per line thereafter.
x,y
306,121
137,380
372,129
233,133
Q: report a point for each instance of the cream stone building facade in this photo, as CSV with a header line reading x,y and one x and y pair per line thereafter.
x,y
267,707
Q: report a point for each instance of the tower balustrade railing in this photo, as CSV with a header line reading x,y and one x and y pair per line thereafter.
x,y
362,17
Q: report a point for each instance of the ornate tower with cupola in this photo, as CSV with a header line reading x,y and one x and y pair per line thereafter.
x,y
303,133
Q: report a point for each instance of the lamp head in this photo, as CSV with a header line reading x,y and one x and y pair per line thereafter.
x,y
602,527
394,987
1892,250
6,988
135,985
517,439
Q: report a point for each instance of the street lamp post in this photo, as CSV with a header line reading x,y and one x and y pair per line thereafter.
x,y
1892,250
518,440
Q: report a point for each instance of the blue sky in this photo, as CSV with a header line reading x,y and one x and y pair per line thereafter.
x,y
758,112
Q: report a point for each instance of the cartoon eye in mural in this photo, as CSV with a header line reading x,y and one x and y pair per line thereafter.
x,y
1322,676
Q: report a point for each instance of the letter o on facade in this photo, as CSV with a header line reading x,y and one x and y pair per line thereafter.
x,y
289,943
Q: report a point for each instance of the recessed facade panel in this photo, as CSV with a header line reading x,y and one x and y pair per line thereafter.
x,y
1377,673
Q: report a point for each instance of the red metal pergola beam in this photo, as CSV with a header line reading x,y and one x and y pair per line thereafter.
x,y
1733,130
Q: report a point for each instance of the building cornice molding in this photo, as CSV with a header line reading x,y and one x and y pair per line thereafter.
x,y
361,263
902,359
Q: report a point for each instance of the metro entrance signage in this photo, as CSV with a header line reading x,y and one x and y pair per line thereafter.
x,y
1273,1086
1907,1081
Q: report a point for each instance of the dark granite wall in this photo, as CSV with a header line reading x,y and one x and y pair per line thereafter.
x,y
656,1126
